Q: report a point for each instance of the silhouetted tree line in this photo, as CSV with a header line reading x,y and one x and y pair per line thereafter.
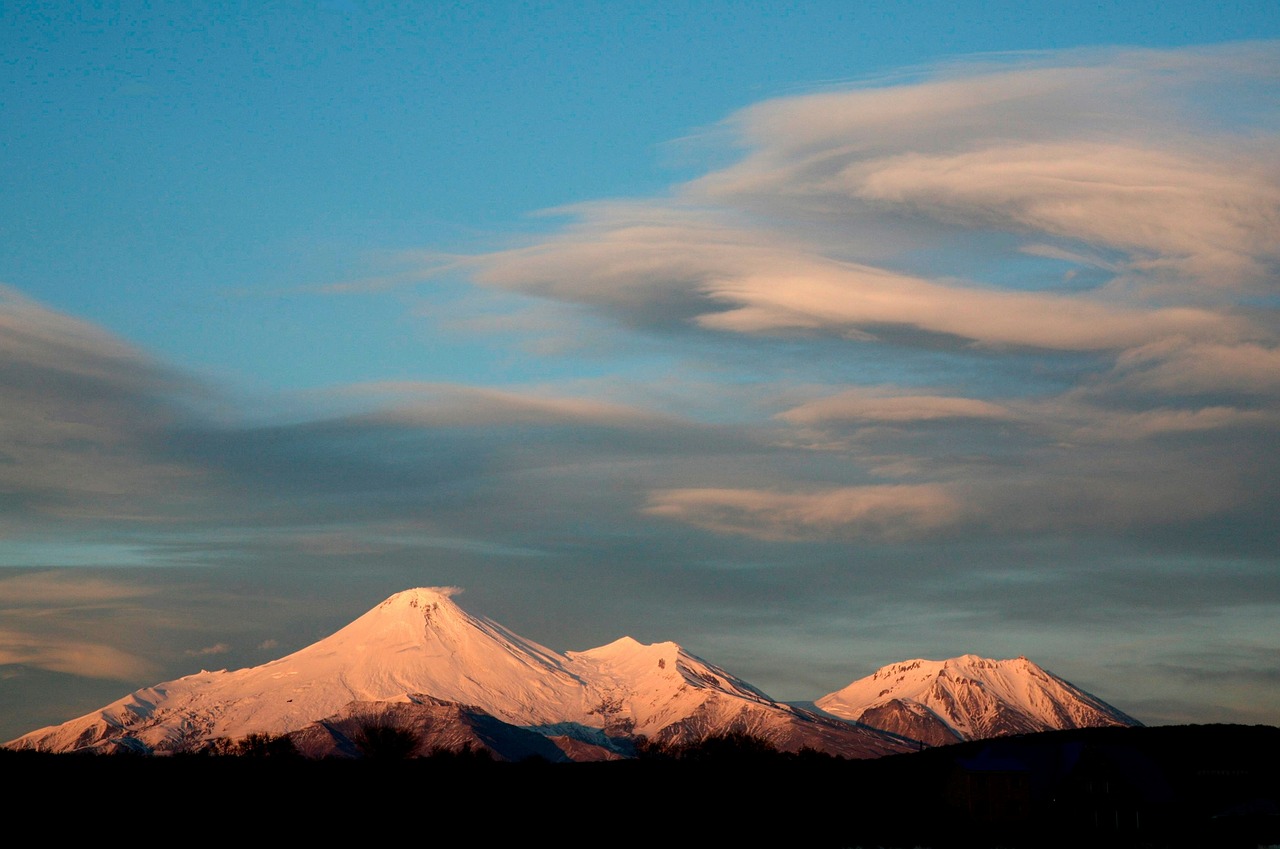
x,y
731,747
1180,787
374,740
384,741
252,746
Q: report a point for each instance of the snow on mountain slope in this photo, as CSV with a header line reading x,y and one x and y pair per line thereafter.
x,y
968,698
417,647
663,693
417,641
643,688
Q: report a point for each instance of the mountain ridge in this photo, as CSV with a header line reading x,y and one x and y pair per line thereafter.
x,y
419,656
969,698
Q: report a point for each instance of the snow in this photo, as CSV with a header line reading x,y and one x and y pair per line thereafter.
x,y
419,646
420,642
974,697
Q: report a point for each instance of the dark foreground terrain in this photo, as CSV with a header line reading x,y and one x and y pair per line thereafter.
x,y
1207,787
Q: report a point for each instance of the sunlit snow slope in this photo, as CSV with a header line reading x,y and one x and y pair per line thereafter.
x,y
968,698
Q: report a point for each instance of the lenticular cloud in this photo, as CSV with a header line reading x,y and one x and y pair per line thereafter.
x,y
1078,249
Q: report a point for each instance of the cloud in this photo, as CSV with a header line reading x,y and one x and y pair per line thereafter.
x,y
868,406
219,648
888,512
380,467
100,444
1086,461
85,419
797,148
973,272
1100,157
44,614
73,657
1215,219
1121,426
878,212
742,282
859,299
1178,366
63,589
429,405
1075,416
33,603
643,262
1037,285
36,340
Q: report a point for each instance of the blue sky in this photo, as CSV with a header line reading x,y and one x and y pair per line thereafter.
x,y
812,339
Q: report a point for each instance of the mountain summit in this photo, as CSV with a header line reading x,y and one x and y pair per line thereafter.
x,y
420,661
968,698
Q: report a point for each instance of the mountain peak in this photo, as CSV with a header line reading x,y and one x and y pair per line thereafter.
x,y
429,593
630,647
420,598
968,697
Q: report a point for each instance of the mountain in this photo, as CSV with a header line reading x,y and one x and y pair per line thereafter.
x,y
969,698
416,727
421,663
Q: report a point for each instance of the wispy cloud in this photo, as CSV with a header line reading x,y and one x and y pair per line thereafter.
x,y
867,405
73,657
39,633
414,404
1178,366
875,513
82,427
735,280
1213,220
55,588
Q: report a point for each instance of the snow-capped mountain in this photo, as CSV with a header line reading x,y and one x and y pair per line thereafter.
x,y
419,659
968,698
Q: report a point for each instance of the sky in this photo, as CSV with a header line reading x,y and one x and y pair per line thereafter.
x,y
813,337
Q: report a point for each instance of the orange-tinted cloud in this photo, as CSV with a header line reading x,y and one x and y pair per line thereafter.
x,y
886,512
